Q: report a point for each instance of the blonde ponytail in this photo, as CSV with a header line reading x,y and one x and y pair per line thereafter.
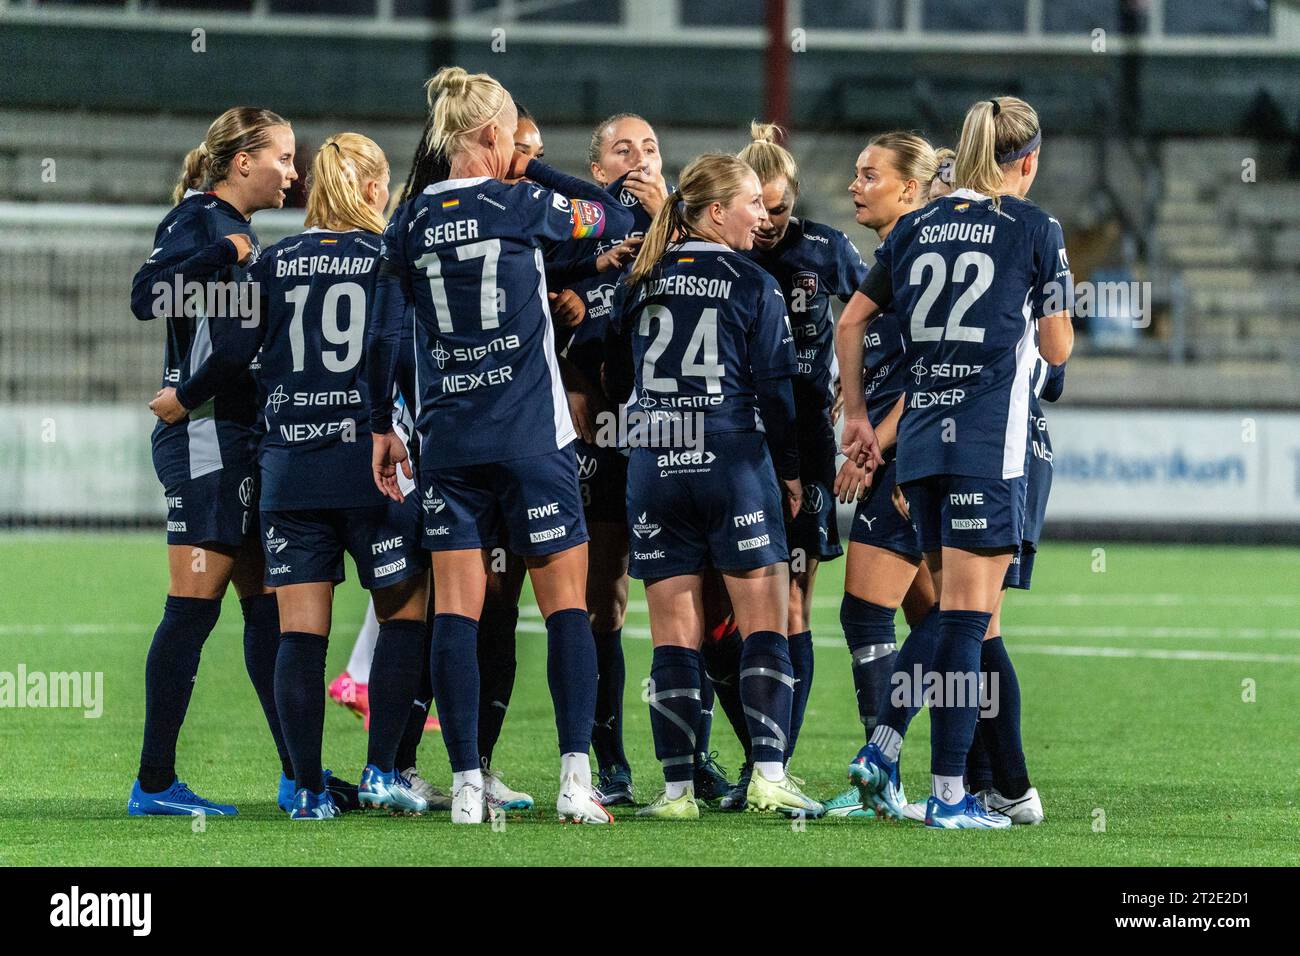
x,y
240,129
996,133
461,104
912,157
710,178
336,184
768,158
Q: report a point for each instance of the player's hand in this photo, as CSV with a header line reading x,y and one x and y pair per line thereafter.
x,y
792,497
852,483
567,308
387,455
243,246
858,442
837,404
620,255
650,191
166,407
585,403
900,503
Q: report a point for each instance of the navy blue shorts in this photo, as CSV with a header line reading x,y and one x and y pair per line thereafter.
x,y
1022,567
957,511
531,505
815,531
716,508
218,508
305,547
602,482
876,520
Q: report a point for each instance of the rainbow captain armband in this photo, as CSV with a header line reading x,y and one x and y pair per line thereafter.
x,y
588,219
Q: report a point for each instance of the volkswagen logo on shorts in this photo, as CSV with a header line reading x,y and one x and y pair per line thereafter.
x,y
276,399
246,492
587,465
812,499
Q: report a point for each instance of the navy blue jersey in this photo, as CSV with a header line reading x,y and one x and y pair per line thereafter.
x,y
812,263
1046,384
972,280
706,326
885,374
190,250
467,253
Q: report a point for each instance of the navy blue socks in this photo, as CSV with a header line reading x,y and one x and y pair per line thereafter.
x,y
394,684
675,710
571,673
722,663
169,674
767,693
1000,733
952,720
453,668
300,700
869,632
496,671
607,731
801,659
916,659
261,643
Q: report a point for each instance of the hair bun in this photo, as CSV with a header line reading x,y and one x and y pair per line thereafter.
x,y
450,79
764,132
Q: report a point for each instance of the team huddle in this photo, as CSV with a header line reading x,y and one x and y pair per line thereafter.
x,y
426,381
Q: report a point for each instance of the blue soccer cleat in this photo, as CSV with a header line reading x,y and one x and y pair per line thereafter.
x,y
389,790
878,783
313,806
966,814
344,793
615,786
178,800
847,804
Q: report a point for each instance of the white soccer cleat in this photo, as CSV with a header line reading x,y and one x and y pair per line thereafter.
x,y
1026,810
467,804
501,797
577,802
436,799
914,811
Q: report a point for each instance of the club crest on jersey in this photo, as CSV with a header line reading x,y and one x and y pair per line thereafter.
x,y
431,503
807,281
275,543
587,465
645,529
587,219
276,399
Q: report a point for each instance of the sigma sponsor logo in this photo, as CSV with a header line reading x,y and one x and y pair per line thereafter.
x,y
970,524
176,526
175,501
132,911
274,542
505,343
280,397
437,532
749,544
544,511
645,529
431,503
550,534
677,459
954,370
587,466
650,555
812,499
951,396
440,354
245,492
966,498
388,544
391,568
279,569
306,431
753,517
453,384
491,202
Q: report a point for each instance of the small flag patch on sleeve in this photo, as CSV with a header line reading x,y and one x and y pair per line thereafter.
x,y
588,219
450,203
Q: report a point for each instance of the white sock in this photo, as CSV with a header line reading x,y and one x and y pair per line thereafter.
x,y
949,789
576,763
472,777
888,740
772,770
364,649
675,788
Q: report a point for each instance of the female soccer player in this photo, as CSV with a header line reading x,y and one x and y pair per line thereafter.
x,y
495,433
703,332
318,499
205,461
974,277
811,262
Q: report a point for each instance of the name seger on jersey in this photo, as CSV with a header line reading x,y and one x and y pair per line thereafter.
x,y
970,281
